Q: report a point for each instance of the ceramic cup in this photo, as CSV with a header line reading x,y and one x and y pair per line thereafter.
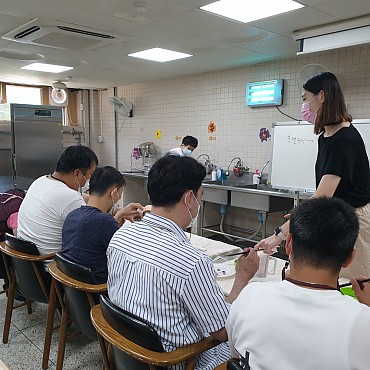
x,y
267,265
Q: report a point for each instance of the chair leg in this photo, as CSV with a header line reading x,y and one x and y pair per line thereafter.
x,y
29,307
9,310
103,347
62,337
49,327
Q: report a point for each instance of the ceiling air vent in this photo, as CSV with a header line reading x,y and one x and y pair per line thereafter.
x,y
59,35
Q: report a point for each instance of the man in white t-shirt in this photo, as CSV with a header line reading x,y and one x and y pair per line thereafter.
x,y
188,145
304,322
50,198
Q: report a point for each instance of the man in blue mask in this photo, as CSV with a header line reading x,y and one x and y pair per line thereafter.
x,y
189,143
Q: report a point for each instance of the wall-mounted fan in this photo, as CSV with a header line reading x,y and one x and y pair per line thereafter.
x,y
58,94
307,71
121,106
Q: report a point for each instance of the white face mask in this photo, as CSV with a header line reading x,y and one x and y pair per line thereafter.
x,y
115,205
86,187
193,220
80,188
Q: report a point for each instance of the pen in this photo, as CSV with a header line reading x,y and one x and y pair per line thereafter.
x,y
359,281
240,253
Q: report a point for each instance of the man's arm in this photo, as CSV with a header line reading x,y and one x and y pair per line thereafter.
x,y
245,269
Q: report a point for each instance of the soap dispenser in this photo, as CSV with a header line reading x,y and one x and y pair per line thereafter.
x,y
256,177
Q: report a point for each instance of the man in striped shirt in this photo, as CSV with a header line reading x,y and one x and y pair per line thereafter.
x,y
155,273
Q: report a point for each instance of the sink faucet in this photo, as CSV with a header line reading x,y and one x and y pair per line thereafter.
x,y
263,168
239,164
207,163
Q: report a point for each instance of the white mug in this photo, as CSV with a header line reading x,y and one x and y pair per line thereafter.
x,y
267,265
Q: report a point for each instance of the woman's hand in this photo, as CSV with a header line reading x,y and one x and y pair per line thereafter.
x,y
268,244
131,212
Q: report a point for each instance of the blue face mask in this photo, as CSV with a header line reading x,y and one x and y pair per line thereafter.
x,y
186,152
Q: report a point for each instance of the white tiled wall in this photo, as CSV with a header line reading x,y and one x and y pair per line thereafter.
x,y
186,105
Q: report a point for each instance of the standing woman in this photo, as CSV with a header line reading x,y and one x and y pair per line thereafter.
x,y
342,165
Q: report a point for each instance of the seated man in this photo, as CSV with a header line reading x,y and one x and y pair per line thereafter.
x,y
10,201
88,230
156,273
188,145
50,198
304,322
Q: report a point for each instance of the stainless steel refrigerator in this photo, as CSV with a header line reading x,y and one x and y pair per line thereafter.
x,y
35,141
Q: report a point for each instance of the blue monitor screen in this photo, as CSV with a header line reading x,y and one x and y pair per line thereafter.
x,y
264,93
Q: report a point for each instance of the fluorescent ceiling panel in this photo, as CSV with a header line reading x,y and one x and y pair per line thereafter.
x,y
44,67
159,55
247,11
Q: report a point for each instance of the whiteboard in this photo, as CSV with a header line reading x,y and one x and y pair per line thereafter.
x,y
294,152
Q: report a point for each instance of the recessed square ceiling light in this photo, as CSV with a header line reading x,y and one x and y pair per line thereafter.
x,y
44,67
245,11
159,55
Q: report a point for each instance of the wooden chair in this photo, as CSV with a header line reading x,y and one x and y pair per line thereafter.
x,y
127,342
75,287
26,273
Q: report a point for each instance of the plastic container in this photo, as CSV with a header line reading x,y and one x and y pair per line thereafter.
x,y
256,177
214,174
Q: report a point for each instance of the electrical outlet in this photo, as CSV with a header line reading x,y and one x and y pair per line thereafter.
x,y
101,139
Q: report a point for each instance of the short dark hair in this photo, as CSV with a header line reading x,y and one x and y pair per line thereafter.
x,y
171,176
190,140
76,157
324,231
105,178
333,110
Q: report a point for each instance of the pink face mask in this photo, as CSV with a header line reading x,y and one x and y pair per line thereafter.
x,y
307,114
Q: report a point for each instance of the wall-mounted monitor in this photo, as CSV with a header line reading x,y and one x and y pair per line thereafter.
x,y
264,93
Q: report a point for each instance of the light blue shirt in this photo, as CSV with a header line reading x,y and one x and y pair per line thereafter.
x,y
155,273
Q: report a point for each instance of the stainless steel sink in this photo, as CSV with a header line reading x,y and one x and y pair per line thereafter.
x,y
235,193
263,187
262,200
225,182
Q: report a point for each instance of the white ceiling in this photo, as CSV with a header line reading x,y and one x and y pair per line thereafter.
x,y
216,42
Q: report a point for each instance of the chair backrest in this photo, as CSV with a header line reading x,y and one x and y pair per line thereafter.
x,y
134,329
29,275
77,300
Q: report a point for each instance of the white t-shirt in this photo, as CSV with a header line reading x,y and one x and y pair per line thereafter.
x,y
285,326
176,151
43,211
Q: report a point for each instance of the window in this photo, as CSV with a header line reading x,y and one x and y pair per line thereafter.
x,y
23,94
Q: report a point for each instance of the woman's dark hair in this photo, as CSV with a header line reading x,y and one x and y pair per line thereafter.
x,y
324,231
105,178
190,140
76,157
171,176
333,109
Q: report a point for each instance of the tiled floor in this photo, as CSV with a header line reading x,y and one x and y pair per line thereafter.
x,y
26,340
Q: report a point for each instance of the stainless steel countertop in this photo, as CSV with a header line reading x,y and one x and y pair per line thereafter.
x,y
269,191
136,174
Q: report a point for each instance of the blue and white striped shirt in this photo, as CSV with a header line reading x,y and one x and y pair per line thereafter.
x,y
155,273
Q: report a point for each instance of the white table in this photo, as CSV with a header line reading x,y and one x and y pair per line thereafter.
x,y
212,248
226,283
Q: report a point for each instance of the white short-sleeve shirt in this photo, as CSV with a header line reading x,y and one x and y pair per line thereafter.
x,y
285,326
43,211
